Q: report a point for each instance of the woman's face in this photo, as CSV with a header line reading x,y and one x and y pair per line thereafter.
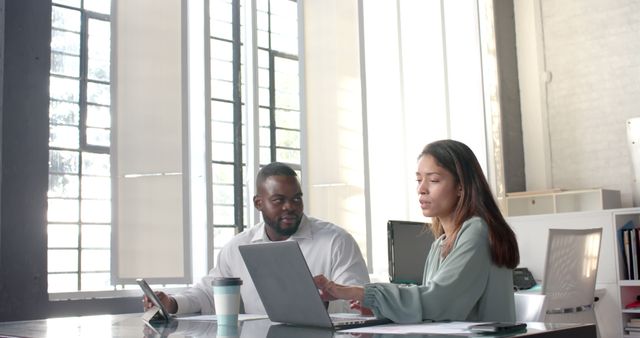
x,y
438,191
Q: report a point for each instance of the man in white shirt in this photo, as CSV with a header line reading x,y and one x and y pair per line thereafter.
x,y
328,249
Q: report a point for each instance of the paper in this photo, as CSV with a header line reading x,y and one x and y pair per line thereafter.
x,y
212,318
459,328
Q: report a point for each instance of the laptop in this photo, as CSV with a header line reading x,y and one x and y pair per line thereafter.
x,y
409,244
289,295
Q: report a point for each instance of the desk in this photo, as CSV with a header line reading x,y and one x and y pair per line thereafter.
x,y
131,325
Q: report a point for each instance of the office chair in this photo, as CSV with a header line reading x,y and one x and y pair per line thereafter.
x,y
570,275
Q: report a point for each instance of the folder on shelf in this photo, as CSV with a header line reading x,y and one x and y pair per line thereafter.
x,y
625,249
633,239
627,253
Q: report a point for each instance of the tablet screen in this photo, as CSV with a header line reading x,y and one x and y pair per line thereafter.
x,y
153,297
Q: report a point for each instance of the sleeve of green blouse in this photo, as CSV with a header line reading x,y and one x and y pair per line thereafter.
x,y
451,293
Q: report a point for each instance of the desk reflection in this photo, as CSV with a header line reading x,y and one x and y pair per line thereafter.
x,y
264,328
286,331
132,325
195,328
248,329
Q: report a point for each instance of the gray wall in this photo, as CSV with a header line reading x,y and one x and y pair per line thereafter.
x,y
579,66
1,108
23,259
24,180
509,96
592,50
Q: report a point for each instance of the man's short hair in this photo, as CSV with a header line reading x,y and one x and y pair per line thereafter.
x,y
273,169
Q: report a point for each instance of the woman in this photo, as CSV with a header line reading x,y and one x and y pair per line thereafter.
x,y
468,273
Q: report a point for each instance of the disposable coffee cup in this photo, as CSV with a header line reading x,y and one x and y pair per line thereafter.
x,y
227,331
226,298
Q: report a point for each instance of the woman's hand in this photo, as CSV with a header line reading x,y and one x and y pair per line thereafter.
x,y
322,283
332,291
357,305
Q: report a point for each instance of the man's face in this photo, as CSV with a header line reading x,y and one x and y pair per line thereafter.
x,y
279,199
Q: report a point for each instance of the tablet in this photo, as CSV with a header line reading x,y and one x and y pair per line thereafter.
x,y
154,299
497,327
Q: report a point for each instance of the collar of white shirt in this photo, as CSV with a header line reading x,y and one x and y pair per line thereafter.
x,y
304,232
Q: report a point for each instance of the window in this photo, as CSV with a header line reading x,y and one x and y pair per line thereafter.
x,y
438,75
79,196
278,101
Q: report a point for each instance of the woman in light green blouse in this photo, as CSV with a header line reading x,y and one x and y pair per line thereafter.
x,y
468,273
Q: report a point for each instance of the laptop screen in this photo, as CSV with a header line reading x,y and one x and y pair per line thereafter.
x,y
409,244
285,285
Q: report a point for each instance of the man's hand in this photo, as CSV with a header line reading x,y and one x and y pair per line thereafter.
x,y
166,300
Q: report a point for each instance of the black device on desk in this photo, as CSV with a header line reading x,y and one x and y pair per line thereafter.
x,y
498,327
409,244
523,279
159,312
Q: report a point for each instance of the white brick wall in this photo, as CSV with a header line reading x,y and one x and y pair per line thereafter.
x,y
592,49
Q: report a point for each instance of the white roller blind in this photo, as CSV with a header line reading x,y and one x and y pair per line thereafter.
x,y
334,116
150,233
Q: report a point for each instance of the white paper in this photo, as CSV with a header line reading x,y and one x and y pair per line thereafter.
x,y
459,328
212,318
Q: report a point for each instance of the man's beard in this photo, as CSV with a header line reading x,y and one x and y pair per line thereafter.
x,y
275,225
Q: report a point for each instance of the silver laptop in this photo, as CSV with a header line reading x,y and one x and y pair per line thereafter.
x,y
286,288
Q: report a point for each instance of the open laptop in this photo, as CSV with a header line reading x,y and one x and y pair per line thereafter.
x,y
285,285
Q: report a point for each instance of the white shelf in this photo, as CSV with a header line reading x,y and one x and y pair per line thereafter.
x,y
628,290
532,233
557,201
626,282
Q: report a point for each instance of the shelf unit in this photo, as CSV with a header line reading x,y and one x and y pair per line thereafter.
x,y
557,201
532,232
628,289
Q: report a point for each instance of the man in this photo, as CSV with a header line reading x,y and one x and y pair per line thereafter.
x,y
328,249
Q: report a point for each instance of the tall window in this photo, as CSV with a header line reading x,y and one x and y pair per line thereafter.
x,y
278,99
79,211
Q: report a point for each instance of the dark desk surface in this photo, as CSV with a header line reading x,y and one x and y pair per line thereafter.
x,y
131,325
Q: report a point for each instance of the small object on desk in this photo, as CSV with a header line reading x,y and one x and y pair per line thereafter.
x,y
497,327
157,313
633,305
523,279
226,298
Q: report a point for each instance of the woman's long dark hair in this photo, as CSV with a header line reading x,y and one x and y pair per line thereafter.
x,y
476,199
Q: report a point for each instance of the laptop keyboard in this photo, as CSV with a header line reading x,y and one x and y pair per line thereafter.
x,y
348,318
